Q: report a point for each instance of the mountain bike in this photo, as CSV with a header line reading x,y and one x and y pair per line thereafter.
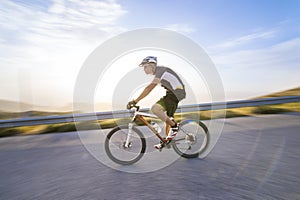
x,y
126,144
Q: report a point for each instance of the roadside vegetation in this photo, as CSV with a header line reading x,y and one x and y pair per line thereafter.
x,y
202,115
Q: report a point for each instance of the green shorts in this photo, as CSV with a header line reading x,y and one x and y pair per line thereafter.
x,y
169,103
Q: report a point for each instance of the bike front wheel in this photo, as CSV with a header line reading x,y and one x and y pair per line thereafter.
x,y
192,139
116,149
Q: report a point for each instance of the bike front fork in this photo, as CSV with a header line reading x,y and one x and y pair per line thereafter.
x,y
127,142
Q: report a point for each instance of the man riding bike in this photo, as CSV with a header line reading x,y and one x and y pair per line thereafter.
x,y
165,108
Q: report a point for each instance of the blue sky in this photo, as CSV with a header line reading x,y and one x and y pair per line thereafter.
x,y
254,44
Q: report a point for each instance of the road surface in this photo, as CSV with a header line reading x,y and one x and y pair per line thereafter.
x,y
255,158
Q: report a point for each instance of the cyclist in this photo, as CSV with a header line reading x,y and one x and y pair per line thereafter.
x,y
165,108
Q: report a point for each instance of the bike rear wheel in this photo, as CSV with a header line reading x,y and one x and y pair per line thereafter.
x,y
117,151
192,139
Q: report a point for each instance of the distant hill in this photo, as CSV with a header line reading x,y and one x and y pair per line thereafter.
x,y
290,92
12,109
12,115
13,106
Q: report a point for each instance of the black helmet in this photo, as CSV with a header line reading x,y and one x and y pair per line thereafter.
x,y
148,59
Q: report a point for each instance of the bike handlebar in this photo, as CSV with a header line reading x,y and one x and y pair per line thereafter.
x,y
136,107
133,107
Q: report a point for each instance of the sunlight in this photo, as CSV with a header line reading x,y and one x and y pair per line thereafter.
x,y
124,76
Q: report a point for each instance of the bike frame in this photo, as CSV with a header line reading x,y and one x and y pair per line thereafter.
x,y
187,135
140,116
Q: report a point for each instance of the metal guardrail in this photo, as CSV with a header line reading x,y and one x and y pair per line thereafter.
x,y
9,123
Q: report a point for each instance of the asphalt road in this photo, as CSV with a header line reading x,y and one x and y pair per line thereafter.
x,y
255,158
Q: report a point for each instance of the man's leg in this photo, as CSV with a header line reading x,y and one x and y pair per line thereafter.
x,y
167,129
166,104
159,111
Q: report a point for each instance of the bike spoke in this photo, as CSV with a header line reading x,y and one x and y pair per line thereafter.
x,y
192,139
116,149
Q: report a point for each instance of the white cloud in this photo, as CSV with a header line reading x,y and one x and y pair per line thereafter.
x,y
86,13
52,42
246,39
27,32
260,71
64,19
275,56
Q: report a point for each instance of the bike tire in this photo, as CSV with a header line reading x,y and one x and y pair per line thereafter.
x,y
180,142
115,149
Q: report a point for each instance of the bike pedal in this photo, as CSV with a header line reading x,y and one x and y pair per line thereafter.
x,y
159,149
